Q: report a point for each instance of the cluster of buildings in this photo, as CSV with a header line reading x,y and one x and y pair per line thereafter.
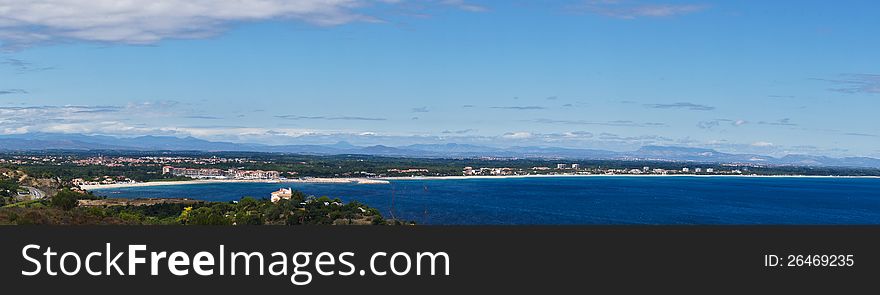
x,y
563,166
119,161
571,169
560,166
471,171
27,160
411,170
198,160
287,193
658,171
501,171
104,180
220,173
142,161
109,161
698,170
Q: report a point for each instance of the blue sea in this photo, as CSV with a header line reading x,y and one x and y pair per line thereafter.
x,y
582,200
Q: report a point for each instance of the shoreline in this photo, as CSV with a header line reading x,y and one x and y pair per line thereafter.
x,y
614,175
215,181
386,180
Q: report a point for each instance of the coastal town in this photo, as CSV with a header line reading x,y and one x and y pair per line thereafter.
x,y
90,170
575,169
67,179
270,175
117,161
213,173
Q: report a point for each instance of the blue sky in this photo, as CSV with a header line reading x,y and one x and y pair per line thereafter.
x,y
775,77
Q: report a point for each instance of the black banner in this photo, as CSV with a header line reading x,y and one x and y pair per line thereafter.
x,y
517,260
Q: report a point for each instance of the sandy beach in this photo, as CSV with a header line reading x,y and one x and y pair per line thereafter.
x,y
386,180
214,181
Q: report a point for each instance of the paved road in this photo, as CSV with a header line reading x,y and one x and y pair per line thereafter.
x,y
36,193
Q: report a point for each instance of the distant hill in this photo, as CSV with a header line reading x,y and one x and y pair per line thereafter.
x,y
47,141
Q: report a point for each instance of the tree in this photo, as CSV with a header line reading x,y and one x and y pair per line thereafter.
x,y
66,199
249,218
207,216
297,197
247,212
184,215
8,188
297,217
378,220
248,204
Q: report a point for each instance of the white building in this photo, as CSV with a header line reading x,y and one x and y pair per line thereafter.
x,y
468,171
685,169
561,166
284,193
575,166
710,170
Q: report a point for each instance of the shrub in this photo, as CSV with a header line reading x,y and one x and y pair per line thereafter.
x,y
66,199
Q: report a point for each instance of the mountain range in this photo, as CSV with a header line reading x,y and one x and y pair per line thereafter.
x,y
58,141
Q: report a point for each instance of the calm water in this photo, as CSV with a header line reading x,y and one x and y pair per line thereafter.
x,y
583,200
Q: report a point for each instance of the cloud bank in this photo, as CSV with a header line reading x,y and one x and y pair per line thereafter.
x,y
144,22
637,9
329,118
681,105
25,22
857,83
13,91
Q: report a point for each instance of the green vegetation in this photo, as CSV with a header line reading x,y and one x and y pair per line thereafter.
x,y
66,199
68,171
8,191
8,187
299,210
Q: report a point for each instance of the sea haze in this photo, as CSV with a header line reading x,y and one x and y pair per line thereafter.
x,y
583,200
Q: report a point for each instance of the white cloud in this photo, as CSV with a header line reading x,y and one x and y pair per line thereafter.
x,y
636,9
169,118
123,121
143,22
464,5
517,135
84,119
857,83
27,22
715,123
